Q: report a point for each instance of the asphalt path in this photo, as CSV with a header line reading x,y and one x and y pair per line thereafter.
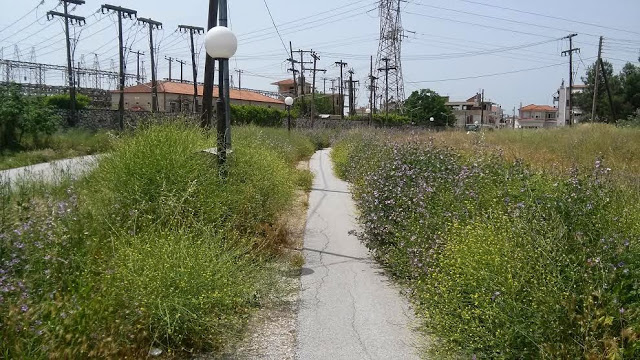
x,y
49,172
348,309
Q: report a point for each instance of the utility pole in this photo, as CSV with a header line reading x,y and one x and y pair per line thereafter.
x,y
372,95
514,118
170,60
138,54
182,64
192,31
333,95
482,109
324,85
570,53
606,84
352,93
303,81
342,65
122,14
154,82
240,72
313,86
209,72
70,20
293,70
595,86
386,69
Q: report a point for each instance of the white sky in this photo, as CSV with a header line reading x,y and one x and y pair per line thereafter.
x,y
348,30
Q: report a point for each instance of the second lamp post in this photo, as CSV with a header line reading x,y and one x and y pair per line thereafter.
x,y
221,44
288,101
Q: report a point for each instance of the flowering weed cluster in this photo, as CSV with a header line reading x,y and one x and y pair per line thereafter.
x,y
152,249
502,261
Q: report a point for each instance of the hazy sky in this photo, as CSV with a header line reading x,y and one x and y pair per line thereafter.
x,y
447,39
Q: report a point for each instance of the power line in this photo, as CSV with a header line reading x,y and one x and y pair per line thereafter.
x,y
276,27
491,75
23,17
549,16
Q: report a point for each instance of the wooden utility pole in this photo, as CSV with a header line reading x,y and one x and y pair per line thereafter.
x,y
170,60
342,65
209,72
372,84
386,70
333,96
123,13
352,93
70,20
570,53
606,84
482,109
193,30
303,81
595,86
313,86
138,54
154,82
182,64
239,78
293,70
513,119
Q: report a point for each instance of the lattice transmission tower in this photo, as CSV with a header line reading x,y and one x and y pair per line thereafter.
x,y
390,47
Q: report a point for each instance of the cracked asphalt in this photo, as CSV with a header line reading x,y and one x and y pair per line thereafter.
x,y
348,308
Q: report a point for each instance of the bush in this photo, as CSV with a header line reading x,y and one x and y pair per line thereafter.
x,y
502,261
152,249
63,101
20,115
257,115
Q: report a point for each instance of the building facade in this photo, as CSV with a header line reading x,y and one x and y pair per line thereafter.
x,y
538,116
178,97
562,98
474,111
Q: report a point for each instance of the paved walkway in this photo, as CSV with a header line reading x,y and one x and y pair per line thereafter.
x,y
349,309
50,172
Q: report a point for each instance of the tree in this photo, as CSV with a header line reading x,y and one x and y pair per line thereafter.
x,y
624,88
21,115
425,104
38,119
11,106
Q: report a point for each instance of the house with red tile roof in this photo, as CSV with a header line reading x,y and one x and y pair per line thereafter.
x,y
537,116
178,97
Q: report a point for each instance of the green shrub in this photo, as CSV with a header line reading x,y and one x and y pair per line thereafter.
x,y
502,261
63,101
257,115
153,249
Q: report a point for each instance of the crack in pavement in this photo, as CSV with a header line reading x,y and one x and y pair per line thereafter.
x,y
353,314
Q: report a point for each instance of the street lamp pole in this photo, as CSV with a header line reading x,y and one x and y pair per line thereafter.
x,y
288,102
221,44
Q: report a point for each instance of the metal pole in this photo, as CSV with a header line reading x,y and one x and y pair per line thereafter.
x,y
289,118
209,72
72,87
121,47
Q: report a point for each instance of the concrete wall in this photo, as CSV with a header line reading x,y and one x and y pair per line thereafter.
x,y
181,103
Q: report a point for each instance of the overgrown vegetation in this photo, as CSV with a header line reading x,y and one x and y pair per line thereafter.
x,y
63,101
504,260
257,115
152,249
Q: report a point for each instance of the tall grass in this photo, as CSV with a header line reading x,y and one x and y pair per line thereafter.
x,y
152,249
502,259
62,145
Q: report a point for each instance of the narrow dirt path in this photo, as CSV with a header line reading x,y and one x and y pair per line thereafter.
x,y
348,308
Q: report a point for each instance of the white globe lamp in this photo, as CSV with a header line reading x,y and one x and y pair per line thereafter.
x,y
368,111
288,101
221,43
432,119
